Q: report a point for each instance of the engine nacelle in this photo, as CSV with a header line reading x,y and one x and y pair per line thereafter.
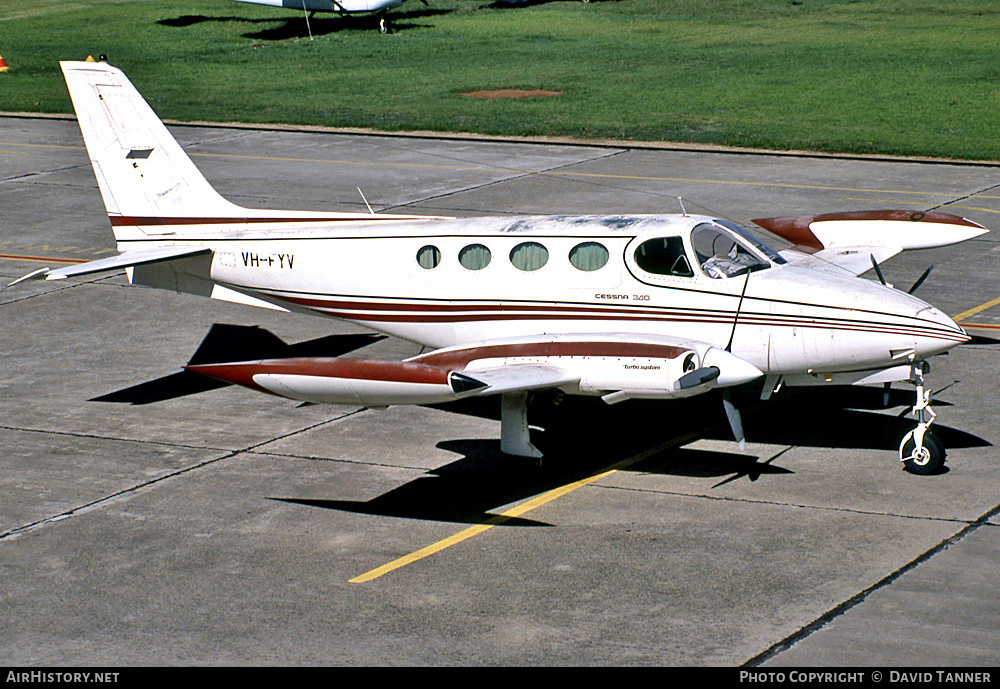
x,y
693,371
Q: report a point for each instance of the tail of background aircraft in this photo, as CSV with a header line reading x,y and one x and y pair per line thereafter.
x,y
141,169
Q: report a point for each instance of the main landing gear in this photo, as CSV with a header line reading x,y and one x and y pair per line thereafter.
x,y
920,451
515,435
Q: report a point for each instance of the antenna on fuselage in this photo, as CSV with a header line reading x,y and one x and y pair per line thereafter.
x,y
366,201
681,201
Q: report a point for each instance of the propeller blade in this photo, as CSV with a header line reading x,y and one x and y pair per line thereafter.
x,y
735,422
920,280
878,271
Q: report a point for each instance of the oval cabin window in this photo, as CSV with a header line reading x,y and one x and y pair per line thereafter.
x,y
589,256
474,257
428,257
529,256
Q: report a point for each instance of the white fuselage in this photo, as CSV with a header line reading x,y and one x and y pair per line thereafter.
x,y
431,282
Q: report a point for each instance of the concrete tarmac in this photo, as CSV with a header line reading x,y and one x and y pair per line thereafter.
x,y
150,518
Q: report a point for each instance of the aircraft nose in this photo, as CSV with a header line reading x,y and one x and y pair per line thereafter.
x,y
938,334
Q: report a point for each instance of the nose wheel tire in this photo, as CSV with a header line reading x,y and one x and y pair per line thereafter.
x,y
927,459
920,452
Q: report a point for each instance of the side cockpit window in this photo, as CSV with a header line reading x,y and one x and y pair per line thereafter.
x,y
721,255
664,256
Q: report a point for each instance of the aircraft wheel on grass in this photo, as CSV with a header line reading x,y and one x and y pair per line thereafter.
x,y
930,459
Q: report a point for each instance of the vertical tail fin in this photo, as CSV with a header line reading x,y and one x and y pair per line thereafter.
x,y
141,170
151,188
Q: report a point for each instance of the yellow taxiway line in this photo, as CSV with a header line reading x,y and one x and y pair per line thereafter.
x,y
478,528
973,311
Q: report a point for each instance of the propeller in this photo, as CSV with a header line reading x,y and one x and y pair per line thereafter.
x,y
913,288
920,280
732,413
878,271
887,387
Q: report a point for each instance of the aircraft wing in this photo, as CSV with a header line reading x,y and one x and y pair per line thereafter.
x,y
847,242
128,259
613,366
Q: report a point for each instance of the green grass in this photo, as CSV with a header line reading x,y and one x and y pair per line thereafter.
x,y
904,77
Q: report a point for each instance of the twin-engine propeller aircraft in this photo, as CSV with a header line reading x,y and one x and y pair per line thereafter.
x,y
341,7
621,306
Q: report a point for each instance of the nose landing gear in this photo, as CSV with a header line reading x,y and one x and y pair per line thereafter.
x,y
920,451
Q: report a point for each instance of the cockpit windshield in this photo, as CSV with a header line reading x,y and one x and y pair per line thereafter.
x,y
773,255
723,255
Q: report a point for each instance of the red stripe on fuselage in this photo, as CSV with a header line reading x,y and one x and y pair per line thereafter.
x,y
380,312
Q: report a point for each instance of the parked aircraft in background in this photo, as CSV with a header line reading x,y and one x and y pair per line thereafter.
x,y
621,306
343,7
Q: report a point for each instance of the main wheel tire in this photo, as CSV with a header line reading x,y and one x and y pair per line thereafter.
x,y
930,459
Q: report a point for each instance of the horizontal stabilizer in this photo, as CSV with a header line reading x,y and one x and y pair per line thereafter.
x,y
126,260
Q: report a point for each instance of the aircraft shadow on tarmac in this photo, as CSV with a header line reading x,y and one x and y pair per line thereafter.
x,y
225,343
462,492
466,490
294,25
